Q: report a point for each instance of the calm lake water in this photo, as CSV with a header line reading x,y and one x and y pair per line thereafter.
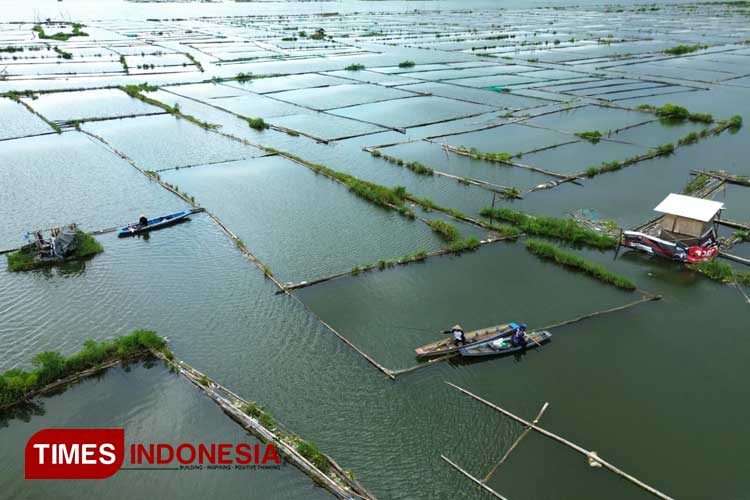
x,y
659,389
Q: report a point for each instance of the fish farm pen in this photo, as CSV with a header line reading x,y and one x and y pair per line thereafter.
x,y
303,197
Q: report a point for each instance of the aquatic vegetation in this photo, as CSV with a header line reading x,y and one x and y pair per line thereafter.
x,y
511,194
355,67
690,138
551,252
39,29
551,227
684,49
125,65
676,113
407,64
464,245
195,61
267,271
256,123
391,198
714,269
11,49
24,259
18,384
475,154
665,149
742,234
415,166
135,91
153,174
699,182
592,136
447,231
63,54
310,451
319,34
735,122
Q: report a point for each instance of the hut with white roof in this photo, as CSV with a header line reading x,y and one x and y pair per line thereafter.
x,y
688,220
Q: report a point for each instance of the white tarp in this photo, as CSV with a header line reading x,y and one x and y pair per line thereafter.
x,y
689,207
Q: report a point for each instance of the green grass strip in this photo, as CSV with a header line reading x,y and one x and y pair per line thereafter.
x,y
551,227
50,366
551,252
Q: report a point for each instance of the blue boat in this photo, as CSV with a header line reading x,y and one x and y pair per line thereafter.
x,y
504,345
156,223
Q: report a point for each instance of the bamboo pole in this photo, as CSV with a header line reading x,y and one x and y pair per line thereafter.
x,y
475,480
515,443
588,454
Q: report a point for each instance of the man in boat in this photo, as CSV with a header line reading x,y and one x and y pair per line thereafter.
x,y
143,221
519,336
459,337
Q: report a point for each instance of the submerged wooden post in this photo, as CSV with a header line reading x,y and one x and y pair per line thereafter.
x,y
515,443
588,454
475,480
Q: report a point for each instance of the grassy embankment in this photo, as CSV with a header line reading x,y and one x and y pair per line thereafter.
x,y
552,227
555,254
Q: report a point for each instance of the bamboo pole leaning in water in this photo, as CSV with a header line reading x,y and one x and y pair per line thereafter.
x,y
516,443
592,456
475,480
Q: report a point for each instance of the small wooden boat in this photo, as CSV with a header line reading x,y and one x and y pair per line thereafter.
x,y
446,346
157,223
504,345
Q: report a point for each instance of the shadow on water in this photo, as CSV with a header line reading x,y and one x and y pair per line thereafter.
x,y
661,269
518,356
22,412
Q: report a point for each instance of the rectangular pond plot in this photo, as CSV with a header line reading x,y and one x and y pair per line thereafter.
x,y
576,157
720,103
434,156
159,142
510,138
658,132
267,203
169,410
17,121
340,96
590,118
67,68
373,77
391,70
736,200
105,103
602,92
496,82
252,105
413,112
457,73
629,195
324,125
53,180
646,92
557,74
203,91
660,70
290,82
478,96
390,313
